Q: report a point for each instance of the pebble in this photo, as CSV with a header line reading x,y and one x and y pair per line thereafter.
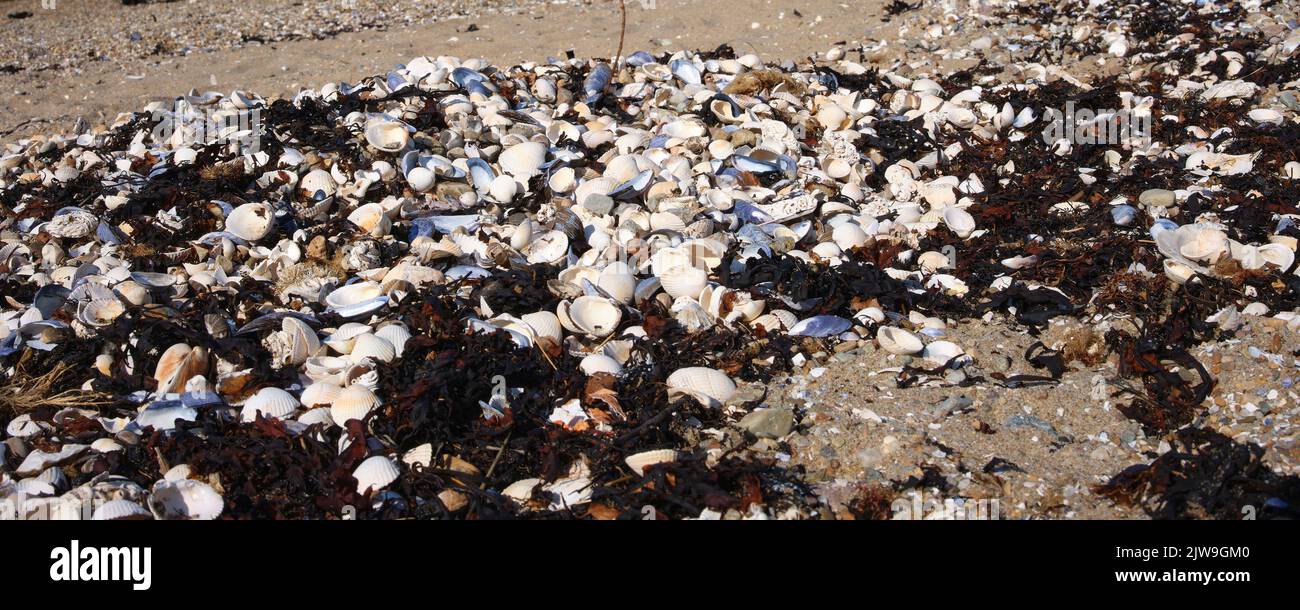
x,y
774,422
1157,198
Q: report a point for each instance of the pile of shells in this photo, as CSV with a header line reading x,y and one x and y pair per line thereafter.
x,y
433,277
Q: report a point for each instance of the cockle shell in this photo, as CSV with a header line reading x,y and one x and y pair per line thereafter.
x,y
396,335
369,345
710,387
121,510
600,363
270,402
320,394
593,316
523,160
387,136
683,281
354,402
375,473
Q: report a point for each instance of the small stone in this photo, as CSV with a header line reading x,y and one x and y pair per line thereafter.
x,y
1157,198
769,423
955,377
599,204
950,405
1000,363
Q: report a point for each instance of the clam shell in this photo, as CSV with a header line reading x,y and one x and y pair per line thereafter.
x,y
344,337
638,462
593,316
375,473
388,136
709,386
523,161
270,402
185,499
250,221
959,221
544,324
898,341
938,353
177,365
396,335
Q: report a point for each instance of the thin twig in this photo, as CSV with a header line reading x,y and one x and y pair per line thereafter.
x,y
622,32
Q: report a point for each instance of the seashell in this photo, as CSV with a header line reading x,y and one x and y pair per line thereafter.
x,y
1178,272
320,394
371,219
185,499
683,281
106,445
595,317
388,136
121,510
1277,255
932,261
1202,243
959,221
354,402
270,402
617,281
100,312
523,161
848,236
550,247
356,299
521,490
638,462
375,473
710,387
395,334
250,221
319,416
503,188
421,456
544,324
177,365
343,338
898,341
297,342
939,353
1123,215
369,345
820,326
600,363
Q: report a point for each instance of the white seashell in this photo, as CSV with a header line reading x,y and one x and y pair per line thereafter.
x,y
544,324
320,394
710,387
369,345
939,353
1178,272
959,221
849,235
353,294
1278,255
375,473
421,179
898,341
270,402
371,219
683,281
1202,243
106,445
600,363
523,161
593,316
550,247
343,338
617,280
932,261
354,402
250,221
185,499
421,456
120,510
503,188
521,490
312,417
395,334
638,462
388,136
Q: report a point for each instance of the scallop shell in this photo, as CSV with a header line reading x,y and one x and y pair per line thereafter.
x,y
375,473
638,462
100,312
544,324
344,337
354,402
898,341
270,402
250,221
709,386
185,499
